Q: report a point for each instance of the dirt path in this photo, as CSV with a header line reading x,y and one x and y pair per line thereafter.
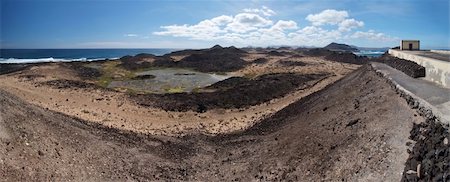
x,y
353,130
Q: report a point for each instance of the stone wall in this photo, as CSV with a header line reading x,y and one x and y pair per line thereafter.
x,y
436,70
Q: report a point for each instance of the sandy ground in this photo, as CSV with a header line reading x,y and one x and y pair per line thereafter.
x,y
114,109
353,130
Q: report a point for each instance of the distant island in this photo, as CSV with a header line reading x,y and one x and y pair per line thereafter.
x,y
341,47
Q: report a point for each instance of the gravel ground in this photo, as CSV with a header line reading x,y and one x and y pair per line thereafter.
x,y
353,130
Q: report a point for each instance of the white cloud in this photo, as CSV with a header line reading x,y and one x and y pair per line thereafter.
x,y
130,35
255,27
222,20
285,25
315,36
244,22
349,24
372,35
329,16
264,11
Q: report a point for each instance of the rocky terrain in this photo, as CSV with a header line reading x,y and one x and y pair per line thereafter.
x,y
236,92
343,132
284,115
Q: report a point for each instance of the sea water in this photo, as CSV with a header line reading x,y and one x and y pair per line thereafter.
x,y
65,55
369,53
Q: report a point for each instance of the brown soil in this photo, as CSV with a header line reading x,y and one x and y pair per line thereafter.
x,y
353,130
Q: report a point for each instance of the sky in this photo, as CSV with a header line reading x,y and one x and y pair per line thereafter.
x,y
201,23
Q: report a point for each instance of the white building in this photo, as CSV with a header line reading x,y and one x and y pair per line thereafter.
x,y
410,45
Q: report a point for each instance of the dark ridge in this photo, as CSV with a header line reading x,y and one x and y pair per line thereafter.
x,y
184,52
231,93
340,47
276,53
343,57
136,62
346,57
229,83
215,59
213,62
291,63
217,47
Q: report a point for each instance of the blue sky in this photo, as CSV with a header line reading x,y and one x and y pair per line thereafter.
x,y
198,24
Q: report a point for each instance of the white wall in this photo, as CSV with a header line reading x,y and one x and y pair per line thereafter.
x,y
435,70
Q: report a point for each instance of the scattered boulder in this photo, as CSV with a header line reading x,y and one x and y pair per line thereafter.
x,y
430,157
66,84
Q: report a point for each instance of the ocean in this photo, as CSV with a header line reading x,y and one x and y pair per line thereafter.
x,y
65,55
370,53
58,55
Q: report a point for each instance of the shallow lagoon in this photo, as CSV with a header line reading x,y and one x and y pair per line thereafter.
x,y
170,80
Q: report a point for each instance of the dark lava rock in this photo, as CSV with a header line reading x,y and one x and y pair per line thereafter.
x,y
234,92
346,57
83,71
260,61
229,83
213,62
144,77
275,53
201,108
6,68
336,56
136,62
430,152
30,76
65,84
410,68
292,63
352,122
215,59
184,74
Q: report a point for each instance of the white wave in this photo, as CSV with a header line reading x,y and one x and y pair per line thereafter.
x,y
368,52
39,60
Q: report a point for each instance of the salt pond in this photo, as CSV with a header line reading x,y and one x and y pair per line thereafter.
x,y
169,80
